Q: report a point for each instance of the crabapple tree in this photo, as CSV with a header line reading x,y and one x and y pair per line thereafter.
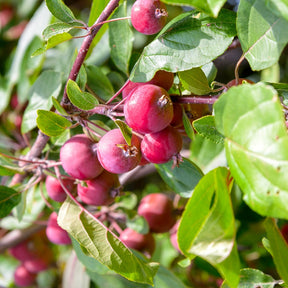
x,y
143,143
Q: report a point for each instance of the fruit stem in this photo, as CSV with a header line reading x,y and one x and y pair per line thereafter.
x,y
236,72
118,92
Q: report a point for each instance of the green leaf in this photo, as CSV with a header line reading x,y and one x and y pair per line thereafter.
x,y
205,126
182,179
251,119
121,40
207,227
82,100
9,198
209,7
48,84
278,7
52,42
279,248
125,130
195,81
188,126
56,28
99,83
139,224
103,245
262,34
60,10
185,43
4,94
58,107
254,278
51,123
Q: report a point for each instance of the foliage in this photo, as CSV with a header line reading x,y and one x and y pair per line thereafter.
x,y
64,76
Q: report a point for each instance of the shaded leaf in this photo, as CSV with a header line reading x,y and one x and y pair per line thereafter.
x,y
182,179
278,247
60,10
185,43
188,126
9,198
205,126
278,7
263,39
82,100
51,123
207,226
251,119
104,246
48,84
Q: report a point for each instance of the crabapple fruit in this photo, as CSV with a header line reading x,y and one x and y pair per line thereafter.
x,y
99,191
174,237
23,277
79,158
157,209
148,109
39,264
115,155
55,233
141,242
148,16
160,147
55,190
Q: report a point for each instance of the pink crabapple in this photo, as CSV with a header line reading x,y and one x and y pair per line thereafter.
x,y
99,191
158,210
79,158
148,109
115,155
148,16
23,277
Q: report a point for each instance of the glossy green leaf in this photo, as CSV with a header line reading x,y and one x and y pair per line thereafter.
x,y
182,179
209,7
121,40
254,278
278,7
125,130
185,43
103,245
9,198
205,126
195,81
60,10
51,123
207,227
48,84
82,100
279,248
251,119
99,83
263,39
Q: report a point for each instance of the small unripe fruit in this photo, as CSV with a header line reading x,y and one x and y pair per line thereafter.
x,y
23,277
148,16
55,233
99,191
160,147
55,190
148,109
157,209
79,158
115,155
141,242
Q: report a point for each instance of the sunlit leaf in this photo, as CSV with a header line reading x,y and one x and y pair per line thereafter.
x,y
60,10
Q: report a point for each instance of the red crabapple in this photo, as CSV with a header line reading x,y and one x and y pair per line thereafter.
x,y
148,16
148,109
79,158
39,264
55,190
115,155
141,242
55,233
161,147
161,78
99,191
23,277
157,209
